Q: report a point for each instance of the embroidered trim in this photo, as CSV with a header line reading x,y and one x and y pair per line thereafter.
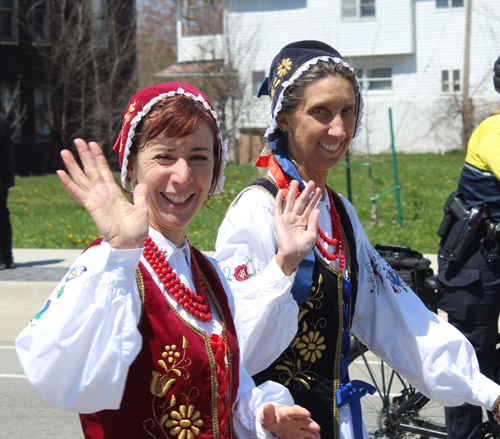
x,y
253,186
142,292
145,110
297,74
208,348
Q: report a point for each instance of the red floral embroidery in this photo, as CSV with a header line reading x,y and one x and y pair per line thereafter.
x,y
241,273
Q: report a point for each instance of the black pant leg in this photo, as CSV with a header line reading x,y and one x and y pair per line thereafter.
x,y
5,228
469,292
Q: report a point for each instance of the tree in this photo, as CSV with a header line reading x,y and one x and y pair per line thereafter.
x,y
156,38
88,64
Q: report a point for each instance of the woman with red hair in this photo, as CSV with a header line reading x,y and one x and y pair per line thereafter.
x,y
138,337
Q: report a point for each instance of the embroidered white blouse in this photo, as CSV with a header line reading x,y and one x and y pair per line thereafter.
x,y
77,350
389,318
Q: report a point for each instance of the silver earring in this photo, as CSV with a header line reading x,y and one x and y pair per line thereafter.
x,y
289,132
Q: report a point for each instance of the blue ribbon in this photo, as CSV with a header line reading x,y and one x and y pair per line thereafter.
x,y
286,164
351,393
302,284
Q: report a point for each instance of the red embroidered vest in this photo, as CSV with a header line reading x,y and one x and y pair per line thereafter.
x,y
171,387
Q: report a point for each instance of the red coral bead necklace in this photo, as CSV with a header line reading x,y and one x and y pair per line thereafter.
x,y
196,304
337,240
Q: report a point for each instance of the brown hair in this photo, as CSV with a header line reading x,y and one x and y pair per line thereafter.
x,y
294,94
175,116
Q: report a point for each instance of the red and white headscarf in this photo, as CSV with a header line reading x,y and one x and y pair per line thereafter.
x,y
140,105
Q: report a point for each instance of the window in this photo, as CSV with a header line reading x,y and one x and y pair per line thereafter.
x,y
358,8
11,107
40,24
375,79
446,76
42,123
202,18
449,3
257,80
99,23
8,21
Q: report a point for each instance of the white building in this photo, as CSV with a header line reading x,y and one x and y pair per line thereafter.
x,y
408,53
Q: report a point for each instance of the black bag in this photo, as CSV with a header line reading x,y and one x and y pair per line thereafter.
x,y
413,269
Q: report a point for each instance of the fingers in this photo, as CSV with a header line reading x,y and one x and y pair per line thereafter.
x,y
290,198
101,162
289,422
305,203
140,196
278,204
88,158
312,201
268,416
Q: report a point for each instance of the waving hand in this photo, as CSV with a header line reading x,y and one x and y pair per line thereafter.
x,y
295,223
123,225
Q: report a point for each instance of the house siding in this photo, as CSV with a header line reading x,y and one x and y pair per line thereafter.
x,y
412,37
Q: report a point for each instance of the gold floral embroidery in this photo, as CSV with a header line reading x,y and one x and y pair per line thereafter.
x,y
175,367
131,109
296,362
128,116
284,67
311,346
185,423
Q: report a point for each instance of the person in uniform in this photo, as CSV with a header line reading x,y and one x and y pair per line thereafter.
x,y
469,260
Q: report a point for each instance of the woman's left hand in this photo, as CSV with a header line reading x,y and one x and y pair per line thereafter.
x,y
295,223
289,422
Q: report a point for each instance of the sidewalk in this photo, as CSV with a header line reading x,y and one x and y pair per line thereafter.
x,y
24,289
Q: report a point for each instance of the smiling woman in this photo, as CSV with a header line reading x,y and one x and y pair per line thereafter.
x,y
139,337
343,285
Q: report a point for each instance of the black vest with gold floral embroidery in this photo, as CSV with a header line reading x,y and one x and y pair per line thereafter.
x,y
310,366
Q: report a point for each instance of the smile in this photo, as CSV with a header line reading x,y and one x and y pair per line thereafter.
x,y
330,147
175,199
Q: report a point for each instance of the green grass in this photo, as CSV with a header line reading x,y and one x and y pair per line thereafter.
x,y
43,215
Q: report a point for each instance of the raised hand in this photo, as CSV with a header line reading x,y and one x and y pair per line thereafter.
x,y
123,225
289,422
295,224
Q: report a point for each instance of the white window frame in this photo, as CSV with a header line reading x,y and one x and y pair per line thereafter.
x,y
451,81
440,4
366,79
13,21
354,9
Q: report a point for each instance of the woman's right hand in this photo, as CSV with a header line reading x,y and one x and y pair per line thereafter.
x,y
289,422
122,224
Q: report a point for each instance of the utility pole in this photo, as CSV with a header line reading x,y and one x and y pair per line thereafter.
x,y
466,103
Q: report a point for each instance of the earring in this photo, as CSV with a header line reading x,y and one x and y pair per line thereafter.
x,y
290,132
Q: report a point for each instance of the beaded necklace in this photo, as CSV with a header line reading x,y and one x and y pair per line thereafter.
x,y
196,304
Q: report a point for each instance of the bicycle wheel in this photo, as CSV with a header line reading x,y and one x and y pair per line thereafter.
x,y
396,410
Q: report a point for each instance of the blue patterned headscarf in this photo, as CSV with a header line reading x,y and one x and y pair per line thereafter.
x,y
289,64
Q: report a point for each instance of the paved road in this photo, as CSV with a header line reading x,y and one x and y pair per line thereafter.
x,y
22,292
